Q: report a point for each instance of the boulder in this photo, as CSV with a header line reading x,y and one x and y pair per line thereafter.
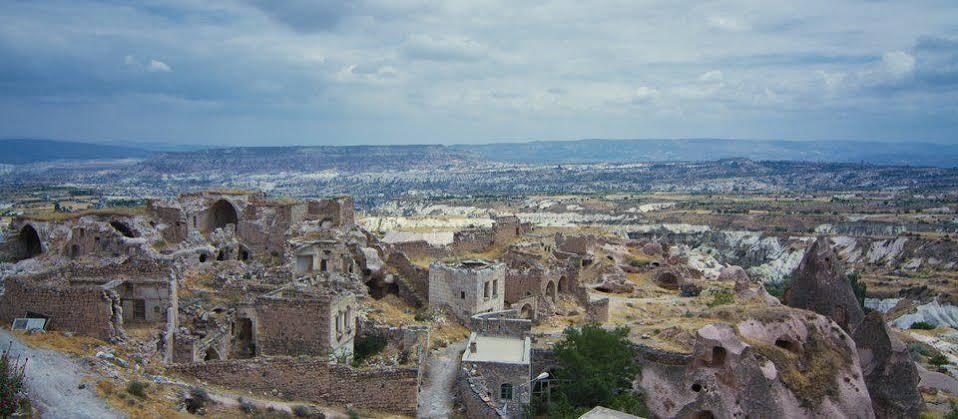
x,y
735,274
819,284
652,249
789,364
890,373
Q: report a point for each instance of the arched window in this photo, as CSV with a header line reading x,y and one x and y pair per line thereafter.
x,y
349,319
505,392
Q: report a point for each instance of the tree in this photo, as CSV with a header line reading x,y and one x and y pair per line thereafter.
x,y
939,360
859,288
596,367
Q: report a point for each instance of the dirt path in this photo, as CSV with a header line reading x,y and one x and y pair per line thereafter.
x,y
436,397
53,380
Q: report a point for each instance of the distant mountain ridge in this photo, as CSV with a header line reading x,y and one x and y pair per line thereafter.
x,y
25,151
625,151
167,158
308,158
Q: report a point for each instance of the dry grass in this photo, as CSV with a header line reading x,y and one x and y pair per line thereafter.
x,y
394,312
811,375
57,341
160,400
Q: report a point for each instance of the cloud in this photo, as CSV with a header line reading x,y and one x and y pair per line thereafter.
x,y
477,70
898,63
158,66
425,47
711,76
727,24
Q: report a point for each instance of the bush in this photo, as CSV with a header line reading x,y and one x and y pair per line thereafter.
x,y
953,414
246,406
367,346
722,298
137,388
196,400
939,360
777,289
301,411
11,384
922,326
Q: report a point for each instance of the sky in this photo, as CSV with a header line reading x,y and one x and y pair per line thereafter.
x,y
311,72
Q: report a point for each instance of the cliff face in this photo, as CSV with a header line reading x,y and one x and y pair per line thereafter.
x,y
890,373
777,362
819,284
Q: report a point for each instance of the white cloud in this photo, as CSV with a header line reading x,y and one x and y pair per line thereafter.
x,y
898,63
727,24
426,47
158,66
645,94
711,76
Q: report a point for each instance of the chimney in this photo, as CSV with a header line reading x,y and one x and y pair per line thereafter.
x,y
472,347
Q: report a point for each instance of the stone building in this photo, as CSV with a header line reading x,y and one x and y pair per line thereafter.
x,y
494,379
303,321
324,255
467,287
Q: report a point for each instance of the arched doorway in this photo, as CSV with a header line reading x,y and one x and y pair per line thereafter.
x,y
221,214
526,311
30,242
563,285
551,291
211,354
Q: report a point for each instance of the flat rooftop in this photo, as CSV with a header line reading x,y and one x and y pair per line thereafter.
x,y
498,349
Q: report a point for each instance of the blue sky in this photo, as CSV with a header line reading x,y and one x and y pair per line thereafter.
x,y
263,72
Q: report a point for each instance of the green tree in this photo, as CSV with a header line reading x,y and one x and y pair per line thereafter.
x,y
596,367
858,287
939,360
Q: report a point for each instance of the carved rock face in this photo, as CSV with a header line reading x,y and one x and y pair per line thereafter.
x,y
819,284
797,365
890,373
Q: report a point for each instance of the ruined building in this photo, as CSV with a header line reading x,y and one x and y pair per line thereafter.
x,y
467,287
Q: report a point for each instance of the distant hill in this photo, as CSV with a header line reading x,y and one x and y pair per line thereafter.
x,y
34,151
313,158
623,151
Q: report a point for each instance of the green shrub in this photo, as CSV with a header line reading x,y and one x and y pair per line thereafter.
x,y
301,411
939,360
722,298
777,289
859,288
137,388
197,399
367,346
922,326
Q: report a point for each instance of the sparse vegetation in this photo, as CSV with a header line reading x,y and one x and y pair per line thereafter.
x,y
722,298
196,399
859,288
366,347
922,326
137,388
777,289
12,372
939,361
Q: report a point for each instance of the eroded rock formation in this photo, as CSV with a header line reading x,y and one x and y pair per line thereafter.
x,y
821,285
890,374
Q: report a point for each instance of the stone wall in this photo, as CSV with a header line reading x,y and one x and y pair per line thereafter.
x,y
501,323
521,283
472,241
470,394
493,376
314,380
302,325
88,310
413,280
420,249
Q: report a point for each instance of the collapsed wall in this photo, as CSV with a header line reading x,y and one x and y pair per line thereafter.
x,y
314,380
